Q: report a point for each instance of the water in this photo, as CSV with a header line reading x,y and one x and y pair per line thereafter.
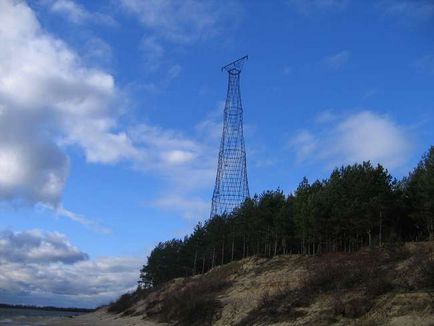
x,y
22,317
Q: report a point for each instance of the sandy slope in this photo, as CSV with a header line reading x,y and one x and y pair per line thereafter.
x,y
251,278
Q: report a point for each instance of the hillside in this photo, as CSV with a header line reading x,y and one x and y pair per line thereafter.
x,y
368,287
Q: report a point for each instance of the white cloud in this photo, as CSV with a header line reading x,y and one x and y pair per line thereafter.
x,y
77,14
72,10
178,157
409,10
32,168
49,99
307,7
305,144
326,116
98,51
91,224
44,268
191,208
359,137
178,21
153,51
173,72
338,60
36,246
186,164
161,148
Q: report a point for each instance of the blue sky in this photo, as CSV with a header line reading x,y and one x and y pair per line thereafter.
x,y
111,111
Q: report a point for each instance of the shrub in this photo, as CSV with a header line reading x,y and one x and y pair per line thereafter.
x,y
378,285
122,304
126,301
362,271
396,251
195,304
423,265
357,307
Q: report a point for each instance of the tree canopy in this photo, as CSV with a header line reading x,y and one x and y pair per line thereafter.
x,y
358,205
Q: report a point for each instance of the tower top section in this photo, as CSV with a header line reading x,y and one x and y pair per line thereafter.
x,y
236,66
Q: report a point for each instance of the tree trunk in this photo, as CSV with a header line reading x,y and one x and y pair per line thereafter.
x,y
269,250
223,252
275,246
380,233
232,249
195,261
369,238
430,226
303,244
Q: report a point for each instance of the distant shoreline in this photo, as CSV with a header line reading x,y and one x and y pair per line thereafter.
x,y
45,308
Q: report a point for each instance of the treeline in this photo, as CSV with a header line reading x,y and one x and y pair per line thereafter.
x,y
44,308
358,205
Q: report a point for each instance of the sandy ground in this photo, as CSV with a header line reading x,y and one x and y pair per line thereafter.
x,y
98,318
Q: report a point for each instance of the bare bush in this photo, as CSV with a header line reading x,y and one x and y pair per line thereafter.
x,y
358,271
419,274
122,304
126,301
195,304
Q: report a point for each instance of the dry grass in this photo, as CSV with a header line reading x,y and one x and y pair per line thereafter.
x,y
125,303
335,287
194,304
366,274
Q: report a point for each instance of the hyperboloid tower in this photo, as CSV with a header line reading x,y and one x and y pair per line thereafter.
x,y
231,186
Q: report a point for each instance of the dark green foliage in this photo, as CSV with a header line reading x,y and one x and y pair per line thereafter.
x,y
358,205
420,195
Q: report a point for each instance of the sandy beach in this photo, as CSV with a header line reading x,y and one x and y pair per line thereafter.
x,y
99,318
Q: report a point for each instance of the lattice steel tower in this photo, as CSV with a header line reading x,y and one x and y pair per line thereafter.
x,y
231,186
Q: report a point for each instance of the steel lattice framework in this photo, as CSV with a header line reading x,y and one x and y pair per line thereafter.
x,y
231,185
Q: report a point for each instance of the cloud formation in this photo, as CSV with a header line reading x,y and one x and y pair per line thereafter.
x,y
179,23
49,99
409,10
355,138
190,208
77,14
307,7
186,164
36,246
39,267
338,60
